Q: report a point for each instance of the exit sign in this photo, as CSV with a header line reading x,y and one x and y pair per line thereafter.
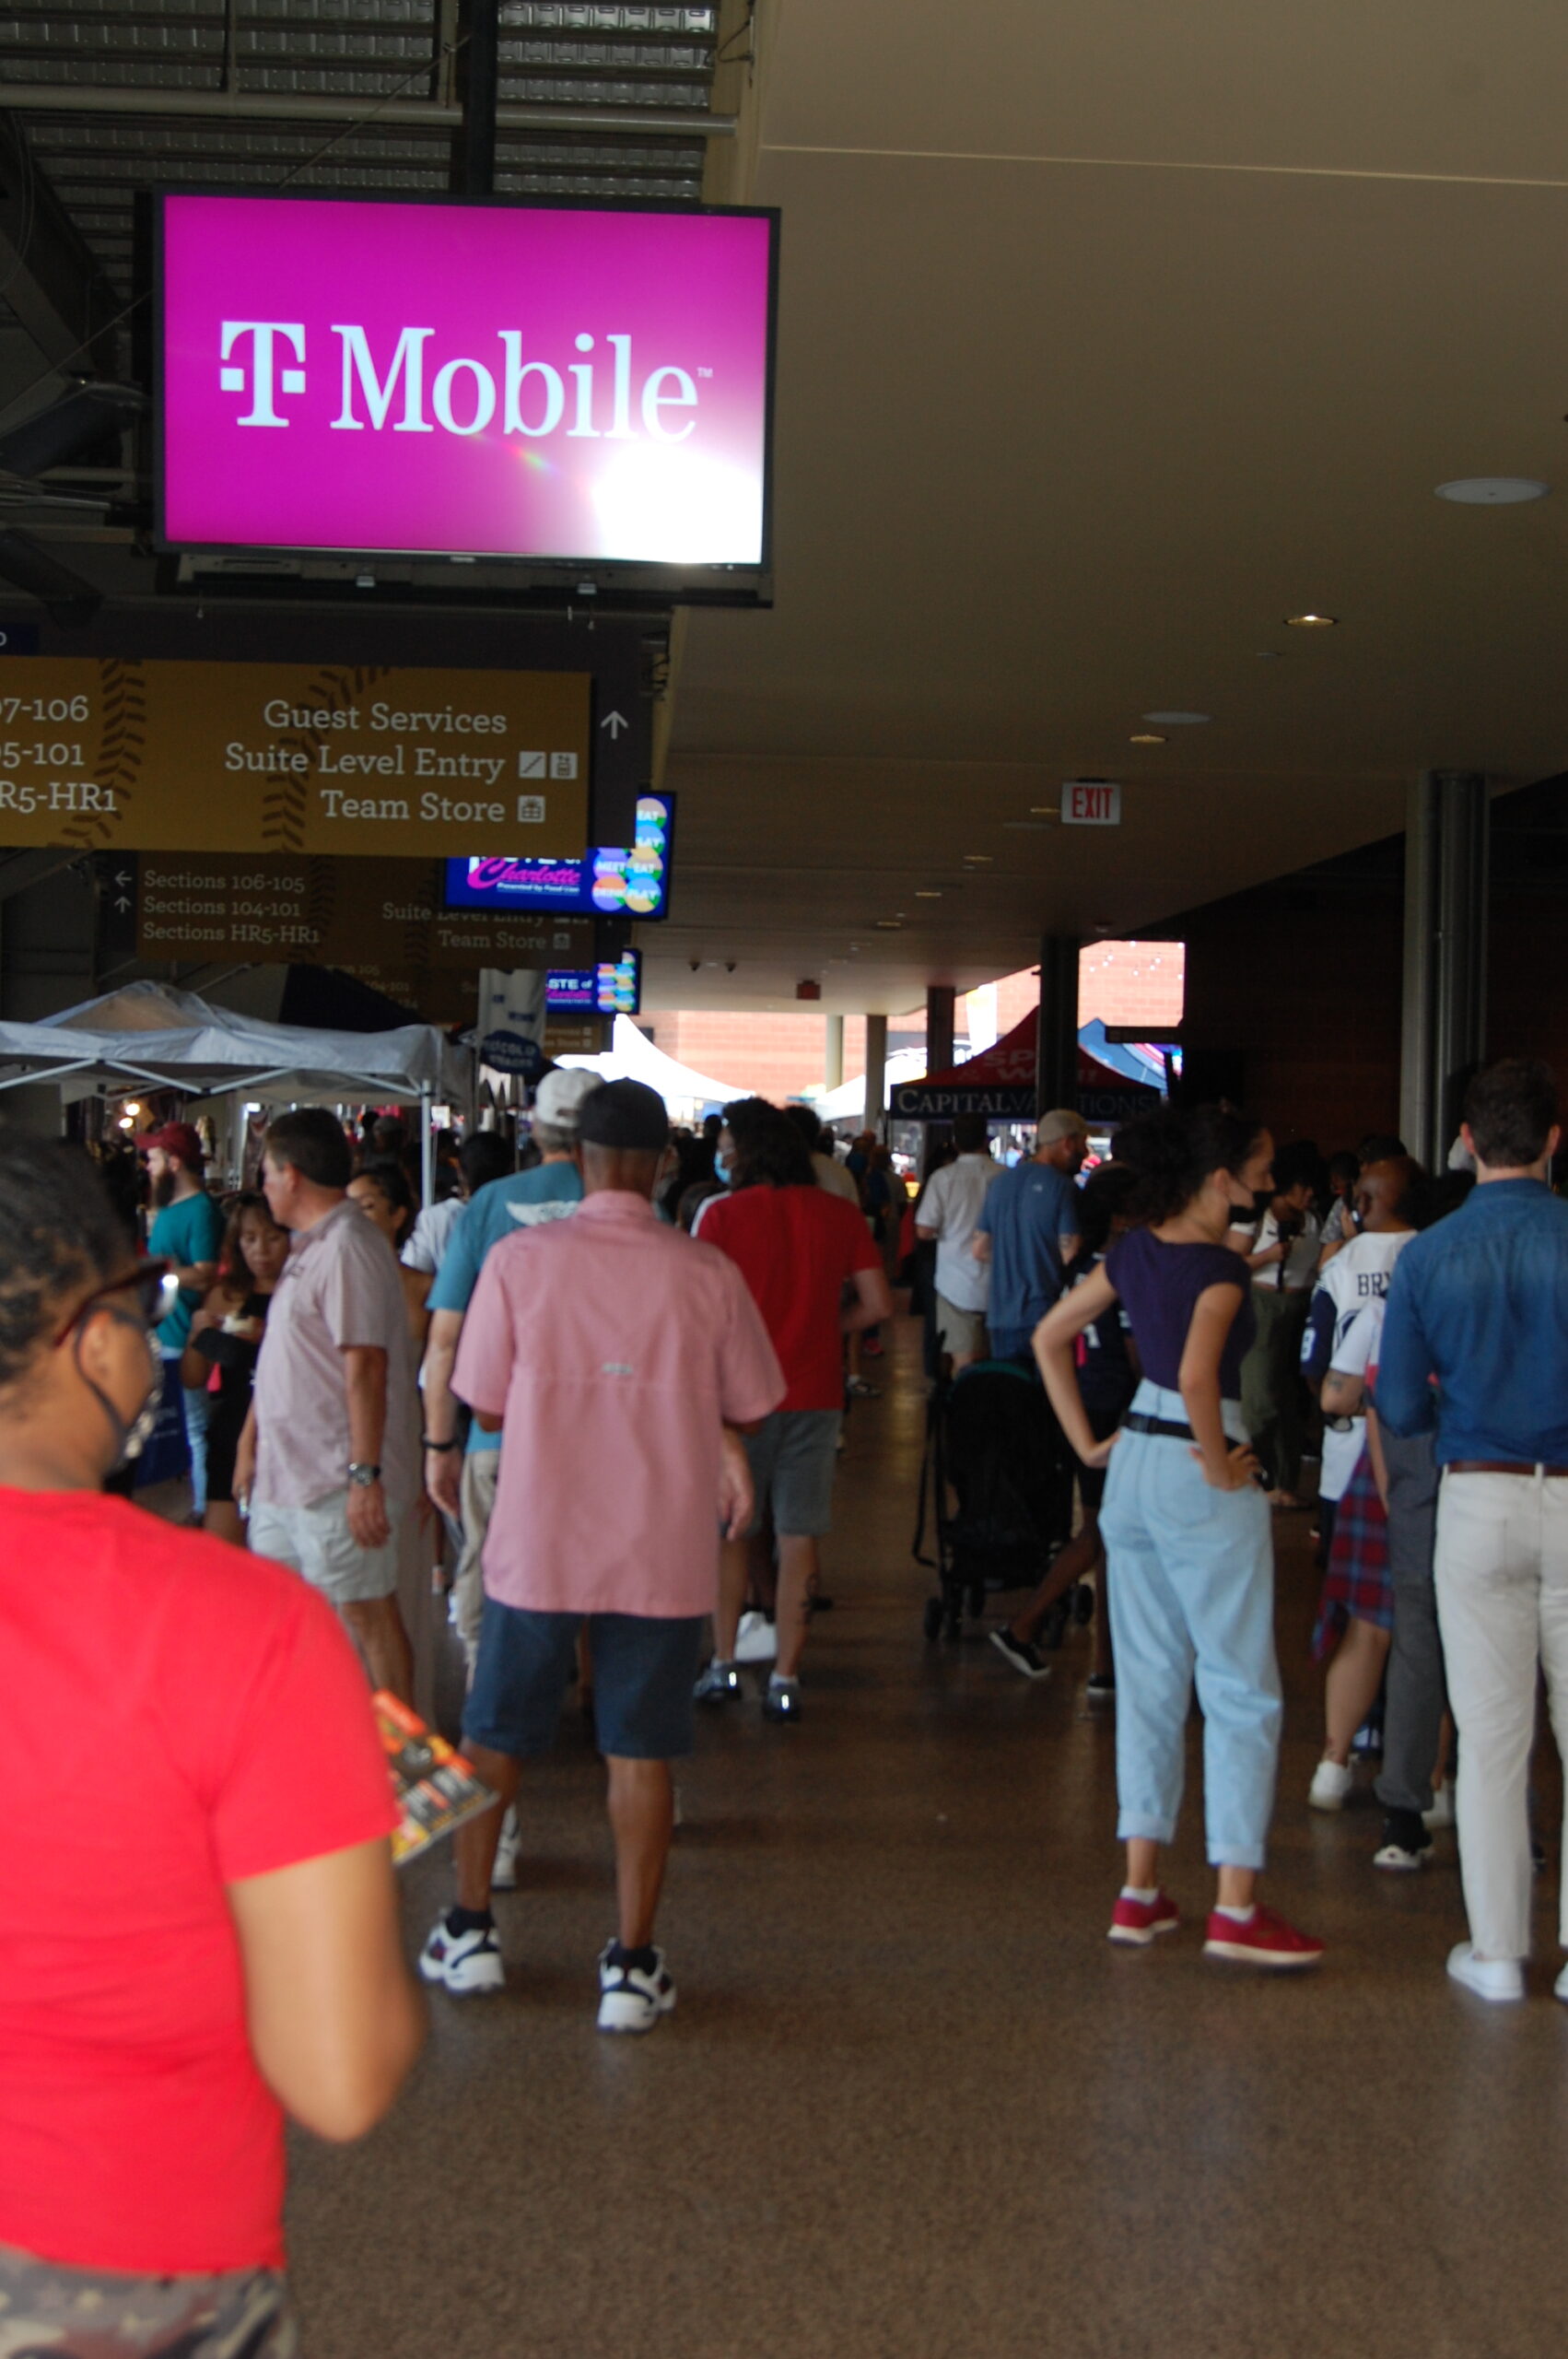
x,y
1089,803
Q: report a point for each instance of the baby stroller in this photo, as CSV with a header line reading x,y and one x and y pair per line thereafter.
x,y
1000,1476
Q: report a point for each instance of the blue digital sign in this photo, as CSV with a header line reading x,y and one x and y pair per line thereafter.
x,y
624,881
612,987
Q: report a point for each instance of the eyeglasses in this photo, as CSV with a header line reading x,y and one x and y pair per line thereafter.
x,y
157,1289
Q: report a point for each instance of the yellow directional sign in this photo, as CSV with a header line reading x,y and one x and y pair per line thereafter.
x,y
111,755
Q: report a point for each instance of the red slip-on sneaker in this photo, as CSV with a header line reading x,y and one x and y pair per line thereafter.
x,y
1267,1941
1136,1922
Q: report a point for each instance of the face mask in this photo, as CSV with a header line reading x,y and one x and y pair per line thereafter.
x,y
724,1169
132,1437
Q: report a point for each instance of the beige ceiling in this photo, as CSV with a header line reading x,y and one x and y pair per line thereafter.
x,y
1109,338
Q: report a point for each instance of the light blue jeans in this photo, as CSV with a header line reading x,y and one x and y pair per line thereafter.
x,y
198,1402
1191,1589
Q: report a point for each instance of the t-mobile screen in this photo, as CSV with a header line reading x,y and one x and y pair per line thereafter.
x,y
554,383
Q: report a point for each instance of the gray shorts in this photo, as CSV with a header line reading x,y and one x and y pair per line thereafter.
x,y
97,2314
961,1331
793,1456
317,1542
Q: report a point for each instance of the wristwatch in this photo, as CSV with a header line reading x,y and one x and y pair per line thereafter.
x,y
426,1443
363,1475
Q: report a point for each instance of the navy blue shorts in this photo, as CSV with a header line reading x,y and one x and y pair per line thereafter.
x,y
644,1671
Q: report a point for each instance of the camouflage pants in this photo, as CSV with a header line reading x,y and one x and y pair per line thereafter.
x,y
48,2311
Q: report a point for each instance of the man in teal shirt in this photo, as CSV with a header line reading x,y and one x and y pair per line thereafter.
x,y
551,1191
187,1230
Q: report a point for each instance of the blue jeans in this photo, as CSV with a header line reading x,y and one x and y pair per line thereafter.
x,y
1193,1591
197,1403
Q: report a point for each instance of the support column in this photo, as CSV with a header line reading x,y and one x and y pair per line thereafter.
x,y
832,1053
1055,1048
1447,830
876,1070
940,1002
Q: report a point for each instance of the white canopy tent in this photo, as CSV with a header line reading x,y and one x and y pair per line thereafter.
x,y
847,1103
632,1056
149,1037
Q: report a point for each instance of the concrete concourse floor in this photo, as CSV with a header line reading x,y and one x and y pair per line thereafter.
x,y
911,2103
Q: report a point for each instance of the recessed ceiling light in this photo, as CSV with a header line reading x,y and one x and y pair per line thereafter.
x,y
1176,719
926,893
1044,810
889,926
1146,737
1311,622
976,858
1492,492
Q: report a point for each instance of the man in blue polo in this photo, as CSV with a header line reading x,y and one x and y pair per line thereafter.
x,y
465,1485
1476,1342
1027,1231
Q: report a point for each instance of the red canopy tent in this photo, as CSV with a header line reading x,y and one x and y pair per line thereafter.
x,y
1000,1084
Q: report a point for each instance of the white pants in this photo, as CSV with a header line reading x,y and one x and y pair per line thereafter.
x,y
1502,1567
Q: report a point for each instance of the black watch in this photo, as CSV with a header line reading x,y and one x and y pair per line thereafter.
x,y
362,1476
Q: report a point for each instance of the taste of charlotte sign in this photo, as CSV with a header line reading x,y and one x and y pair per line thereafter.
x,y
105,755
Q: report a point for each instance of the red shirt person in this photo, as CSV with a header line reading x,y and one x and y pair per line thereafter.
x,y
173,1981
799,1249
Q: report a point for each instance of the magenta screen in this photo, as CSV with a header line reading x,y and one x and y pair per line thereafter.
x,y
489,380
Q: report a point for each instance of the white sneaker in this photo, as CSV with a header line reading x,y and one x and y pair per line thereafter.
x,y
464,1963
756,1639
1442,1813
1331,1781
503,1875
632,1999
1498,1978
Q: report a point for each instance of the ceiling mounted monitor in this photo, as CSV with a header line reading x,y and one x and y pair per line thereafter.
x,y
577,391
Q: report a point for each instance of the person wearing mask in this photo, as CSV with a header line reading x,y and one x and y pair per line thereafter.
x,y
615,1357
1187,1526
462,1483
168,1991
325,1456
1027,1232
482,1156
801,1251
1475,1342
225,1336
947,1216
1283,1258
1107,1379
187,1229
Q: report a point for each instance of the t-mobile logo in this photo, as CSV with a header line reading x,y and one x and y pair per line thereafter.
x,y
265,377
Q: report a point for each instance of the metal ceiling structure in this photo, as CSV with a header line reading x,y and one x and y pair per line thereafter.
x,y
606,98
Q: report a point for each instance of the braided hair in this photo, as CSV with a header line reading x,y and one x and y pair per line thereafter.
x,y
58,1236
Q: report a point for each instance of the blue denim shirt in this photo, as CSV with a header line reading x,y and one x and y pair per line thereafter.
x,y
1482,1303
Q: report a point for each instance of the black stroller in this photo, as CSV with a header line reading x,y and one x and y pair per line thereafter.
x,y
999,1474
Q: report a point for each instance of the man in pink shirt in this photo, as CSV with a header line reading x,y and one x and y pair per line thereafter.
x,y
616,1357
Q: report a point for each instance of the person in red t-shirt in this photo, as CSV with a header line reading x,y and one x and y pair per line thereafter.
x,y
223,1948
798,1248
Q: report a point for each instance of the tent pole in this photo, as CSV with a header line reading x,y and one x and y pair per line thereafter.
x,y
426,1150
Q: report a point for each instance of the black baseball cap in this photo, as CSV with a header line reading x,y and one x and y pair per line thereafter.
x,y
624,1114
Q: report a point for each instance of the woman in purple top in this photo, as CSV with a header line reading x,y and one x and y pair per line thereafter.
x,y
1187,1526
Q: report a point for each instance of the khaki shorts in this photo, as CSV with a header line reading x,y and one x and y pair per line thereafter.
x,y
317,1542
481,1472
961,1331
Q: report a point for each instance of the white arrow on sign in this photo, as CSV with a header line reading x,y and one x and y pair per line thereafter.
x,y
122,877
615,722
122,904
